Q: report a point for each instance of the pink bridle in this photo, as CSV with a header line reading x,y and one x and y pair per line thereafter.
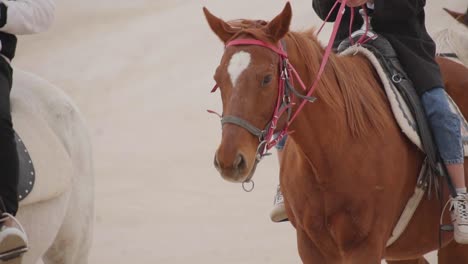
x,y
283,102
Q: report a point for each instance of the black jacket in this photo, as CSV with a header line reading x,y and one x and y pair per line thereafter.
x,y
402,22
8,41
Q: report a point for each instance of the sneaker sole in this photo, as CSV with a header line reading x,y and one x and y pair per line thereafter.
x,y
16,260
460,239
13,247
278,214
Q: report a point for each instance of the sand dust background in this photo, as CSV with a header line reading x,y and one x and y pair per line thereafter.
x,y
141,71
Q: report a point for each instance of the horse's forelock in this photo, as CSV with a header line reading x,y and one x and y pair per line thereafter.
x,y
245,23
251,28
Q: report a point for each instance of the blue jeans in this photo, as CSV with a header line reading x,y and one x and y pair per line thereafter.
x,y
445,125
281,143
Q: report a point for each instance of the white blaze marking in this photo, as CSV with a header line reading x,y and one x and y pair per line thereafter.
x,y
238,64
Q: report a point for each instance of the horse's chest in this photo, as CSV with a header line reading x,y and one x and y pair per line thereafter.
x,y
332,221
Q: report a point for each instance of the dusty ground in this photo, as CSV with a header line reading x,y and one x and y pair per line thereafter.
x,y
141,72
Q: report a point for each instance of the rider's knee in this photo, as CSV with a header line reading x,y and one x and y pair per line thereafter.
x,y
437,107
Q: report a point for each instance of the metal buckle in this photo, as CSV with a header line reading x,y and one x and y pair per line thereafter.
x,y
260,149
396,78
284,70
252,185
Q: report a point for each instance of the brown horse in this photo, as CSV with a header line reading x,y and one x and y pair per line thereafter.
x,y
347,171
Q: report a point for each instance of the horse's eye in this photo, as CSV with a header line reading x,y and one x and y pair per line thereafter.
x,y
267,79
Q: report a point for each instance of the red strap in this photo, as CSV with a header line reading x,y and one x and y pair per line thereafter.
x,y
214,112
257,42
327,18
351,22
363,39
324,60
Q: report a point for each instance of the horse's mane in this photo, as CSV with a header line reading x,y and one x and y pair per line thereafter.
x,y
356,94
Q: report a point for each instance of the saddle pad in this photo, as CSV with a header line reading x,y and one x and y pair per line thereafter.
x,y
399,107
27,174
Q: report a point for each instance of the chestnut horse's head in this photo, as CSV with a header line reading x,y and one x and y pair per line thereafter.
x,y
248,79
460,17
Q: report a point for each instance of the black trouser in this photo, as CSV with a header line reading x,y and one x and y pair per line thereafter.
x,y
8,154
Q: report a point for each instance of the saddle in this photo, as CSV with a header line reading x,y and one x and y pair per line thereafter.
x,y
27,173
404,101
26,170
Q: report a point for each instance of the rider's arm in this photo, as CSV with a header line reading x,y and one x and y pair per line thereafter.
x,y
394,10
323,7
26,16
397,10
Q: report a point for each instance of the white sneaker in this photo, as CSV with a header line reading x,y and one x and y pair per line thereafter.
x,y
13,241
459,215
278,213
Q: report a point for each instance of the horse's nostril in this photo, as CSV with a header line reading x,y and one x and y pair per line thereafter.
x,y
239,163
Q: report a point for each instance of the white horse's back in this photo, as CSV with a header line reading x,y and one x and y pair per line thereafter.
x,y
58,215
453,40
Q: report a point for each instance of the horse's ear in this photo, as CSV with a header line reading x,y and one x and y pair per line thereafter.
x,y
465,20
454,14
222,29
279,26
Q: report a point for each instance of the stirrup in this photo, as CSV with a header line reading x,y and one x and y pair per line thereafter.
x,y
445,227
12,254
20,249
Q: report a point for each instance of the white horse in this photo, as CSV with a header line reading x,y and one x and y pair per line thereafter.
x,y
453,40
58,215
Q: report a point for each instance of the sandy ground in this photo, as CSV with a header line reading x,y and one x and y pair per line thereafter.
x,y
141,72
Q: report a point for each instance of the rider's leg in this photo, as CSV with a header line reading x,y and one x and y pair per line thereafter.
x,y
13,240
8,154
446,127
278,212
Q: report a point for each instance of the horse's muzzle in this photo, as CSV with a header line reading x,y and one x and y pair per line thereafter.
x,y
233,170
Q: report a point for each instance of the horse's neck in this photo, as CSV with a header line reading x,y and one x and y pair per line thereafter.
x,y
320,131
324,132
317,120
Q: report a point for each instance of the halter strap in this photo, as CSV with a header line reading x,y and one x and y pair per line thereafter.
x,y
245,124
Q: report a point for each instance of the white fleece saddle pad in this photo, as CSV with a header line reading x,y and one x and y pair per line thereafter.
x,y
399,107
